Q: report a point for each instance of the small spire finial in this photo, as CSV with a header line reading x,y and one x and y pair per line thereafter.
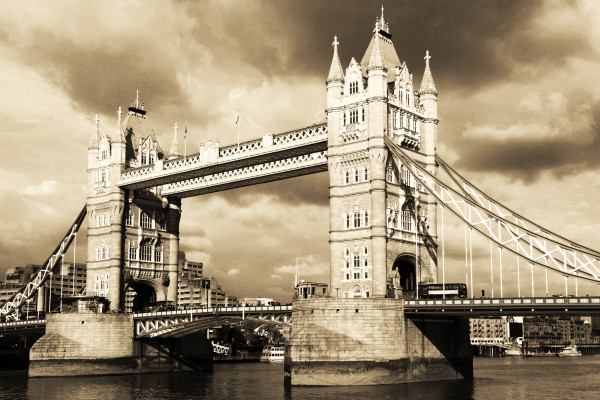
x,y
382,23
137,99
176,128
97,123
427,56
335,43
119,121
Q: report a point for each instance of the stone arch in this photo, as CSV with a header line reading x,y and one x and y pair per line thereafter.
x,y
405,264
356,291
145,291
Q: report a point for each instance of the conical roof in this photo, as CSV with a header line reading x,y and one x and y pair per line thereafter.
x,y
376,61
95,140
427,85
175,150
336,73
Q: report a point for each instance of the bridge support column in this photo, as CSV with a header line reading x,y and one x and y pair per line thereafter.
x,y
371,342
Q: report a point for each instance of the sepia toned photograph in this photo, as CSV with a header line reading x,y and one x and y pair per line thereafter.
x,y
299,199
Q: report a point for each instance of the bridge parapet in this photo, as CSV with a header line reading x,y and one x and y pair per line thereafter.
x,y
172,323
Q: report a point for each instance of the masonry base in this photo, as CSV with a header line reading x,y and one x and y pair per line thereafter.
x,y
372,342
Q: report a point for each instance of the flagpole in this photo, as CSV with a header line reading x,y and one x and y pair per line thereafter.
x,y
237,122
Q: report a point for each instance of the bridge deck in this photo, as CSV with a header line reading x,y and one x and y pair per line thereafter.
x,y
505,306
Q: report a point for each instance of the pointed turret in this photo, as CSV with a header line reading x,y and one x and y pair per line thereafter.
x,y
95,140
377,61
427,85
175,151
119,136
336,74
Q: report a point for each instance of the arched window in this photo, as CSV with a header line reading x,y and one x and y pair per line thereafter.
x,y
356,175
366,174
366,218
151,158
144,158
356,220
346,177
356,260
363,115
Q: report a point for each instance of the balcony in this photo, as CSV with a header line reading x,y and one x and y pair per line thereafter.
x,y
407,138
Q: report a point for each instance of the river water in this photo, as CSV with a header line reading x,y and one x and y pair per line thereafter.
x,y
495,378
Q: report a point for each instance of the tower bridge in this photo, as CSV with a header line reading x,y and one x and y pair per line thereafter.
x,y
388,192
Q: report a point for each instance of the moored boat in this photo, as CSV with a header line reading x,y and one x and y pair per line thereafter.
x,y
570,351
272,354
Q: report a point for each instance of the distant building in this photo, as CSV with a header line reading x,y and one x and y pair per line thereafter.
x,y
488,331
539,331
257,301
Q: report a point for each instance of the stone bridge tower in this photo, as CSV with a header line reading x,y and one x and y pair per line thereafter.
x,y
133,236
382,223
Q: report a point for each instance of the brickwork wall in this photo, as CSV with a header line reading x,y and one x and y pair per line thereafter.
x,y
85,336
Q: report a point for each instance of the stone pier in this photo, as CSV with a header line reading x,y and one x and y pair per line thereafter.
x,y
103,344
370,342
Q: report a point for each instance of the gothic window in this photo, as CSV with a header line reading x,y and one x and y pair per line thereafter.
x,y
366,218
406,177
354,116
367,277
356,275
151,158
365,251
356,175
365,174
144,158
356,220
348,220
146,253
133,253
406,221
390,175
346,252
356,260
353,87
129,220
347,264
146,221
158,252
347,276
343,117
363,115
346,177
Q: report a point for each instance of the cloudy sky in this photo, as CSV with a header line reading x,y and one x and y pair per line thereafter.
x,y
519,103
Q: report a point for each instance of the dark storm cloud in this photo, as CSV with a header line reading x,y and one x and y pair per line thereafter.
x,y
97,79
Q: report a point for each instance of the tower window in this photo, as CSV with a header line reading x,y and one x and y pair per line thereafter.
x,y
347,221
406,221
353,116
356,220
356,260
356,175
353,87
346,177
146,253
366,174
363,115
146,221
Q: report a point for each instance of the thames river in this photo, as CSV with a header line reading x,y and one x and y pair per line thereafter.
x,y
495,378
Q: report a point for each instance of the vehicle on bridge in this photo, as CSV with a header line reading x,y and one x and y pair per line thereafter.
x,y
159,306
439,291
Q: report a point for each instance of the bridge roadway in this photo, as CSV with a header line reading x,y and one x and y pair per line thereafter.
x,y
523,306
180,322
